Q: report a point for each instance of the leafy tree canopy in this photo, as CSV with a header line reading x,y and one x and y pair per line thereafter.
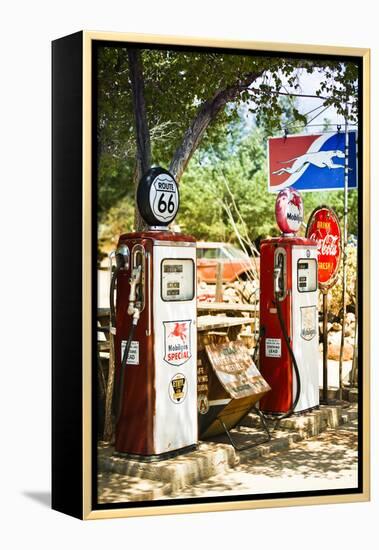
x,y
242,168
179,84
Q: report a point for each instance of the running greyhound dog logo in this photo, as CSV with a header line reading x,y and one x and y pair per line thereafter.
x,y
177,342
311,161
320,159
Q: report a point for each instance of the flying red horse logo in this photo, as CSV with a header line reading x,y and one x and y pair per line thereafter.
x,y
177,342
295,200
180,331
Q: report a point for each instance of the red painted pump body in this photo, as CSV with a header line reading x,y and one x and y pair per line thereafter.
x,y
300,258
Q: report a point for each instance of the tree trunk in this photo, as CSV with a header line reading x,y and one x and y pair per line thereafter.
x,y
193,135
207,112
141,126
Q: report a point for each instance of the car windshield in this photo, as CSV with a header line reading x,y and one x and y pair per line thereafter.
x,y
221,252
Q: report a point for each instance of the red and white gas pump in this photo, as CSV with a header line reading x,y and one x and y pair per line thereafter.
x,y
288,352
155,329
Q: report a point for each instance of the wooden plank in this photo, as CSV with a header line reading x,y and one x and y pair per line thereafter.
x,y
214,306
103,312
210,322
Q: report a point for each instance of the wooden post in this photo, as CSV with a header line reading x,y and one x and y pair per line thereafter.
x,y
219,273
108,424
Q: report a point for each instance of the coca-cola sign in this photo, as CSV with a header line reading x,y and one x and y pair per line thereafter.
x,y
324,228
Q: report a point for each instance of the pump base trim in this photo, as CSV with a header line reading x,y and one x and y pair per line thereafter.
x,y
156,458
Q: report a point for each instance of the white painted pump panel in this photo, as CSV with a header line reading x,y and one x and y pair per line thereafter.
x,y
305,324
175,346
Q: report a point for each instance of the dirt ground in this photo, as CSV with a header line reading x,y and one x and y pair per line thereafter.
x,y
328,461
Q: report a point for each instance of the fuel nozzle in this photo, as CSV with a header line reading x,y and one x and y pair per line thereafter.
x,y
134,280
277,271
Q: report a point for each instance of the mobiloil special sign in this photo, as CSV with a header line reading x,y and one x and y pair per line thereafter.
x,y
177,335
312,162
324,228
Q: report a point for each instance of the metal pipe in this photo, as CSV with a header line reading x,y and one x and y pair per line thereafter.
x,y
325,347
344,255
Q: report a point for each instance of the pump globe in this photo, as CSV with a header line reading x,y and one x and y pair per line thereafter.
x,y
289,211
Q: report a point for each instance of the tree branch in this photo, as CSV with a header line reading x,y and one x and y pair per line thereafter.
x,y
142,129
206,114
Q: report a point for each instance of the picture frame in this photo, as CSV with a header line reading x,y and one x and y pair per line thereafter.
x,y
75,206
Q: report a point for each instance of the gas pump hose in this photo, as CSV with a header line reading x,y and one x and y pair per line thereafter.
x,y
295,367
120,386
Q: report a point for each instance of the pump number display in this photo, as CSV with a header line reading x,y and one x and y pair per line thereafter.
x,y
177,280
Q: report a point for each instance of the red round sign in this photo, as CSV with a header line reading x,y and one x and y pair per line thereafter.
x,y
324,228
289,211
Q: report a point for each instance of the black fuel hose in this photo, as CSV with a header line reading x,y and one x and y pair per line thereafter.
x,y
120,386
120,263
294,362
295,366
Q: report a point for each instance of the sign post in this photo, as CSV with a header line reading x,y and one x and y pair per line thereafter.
x,y
324,228
344,257
325,346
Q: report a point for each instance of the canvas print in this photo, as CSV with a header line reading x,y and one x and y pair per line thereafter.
x,y
228,209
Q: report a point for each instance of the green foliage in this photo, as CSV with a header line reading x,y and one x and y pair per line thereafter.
x,y
335,293
243,166
335,200
118,220
177,84
204,191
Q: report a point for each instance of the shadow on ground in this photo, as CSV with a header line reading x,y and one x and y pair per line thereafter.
x,y
42,497
326,461
114,487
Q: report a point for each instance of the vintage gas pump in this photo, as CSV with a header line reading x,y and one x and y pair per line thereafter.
x,y
289,313
155,329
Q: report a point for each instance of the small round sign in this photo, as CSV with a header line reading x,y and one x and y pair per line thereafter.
x,y
158,197
177,388
289,210
202,403
324,228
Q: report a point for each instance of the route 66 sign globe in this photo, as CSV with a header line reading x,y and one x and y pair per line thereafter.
x,y
158,197
289,210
